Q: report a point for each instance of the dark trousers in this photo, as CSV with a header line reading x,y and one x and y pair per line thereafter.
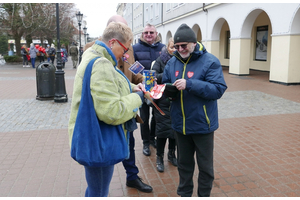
x,y
129,164
52,59
147,132
187,145
161,143
41,58
25,60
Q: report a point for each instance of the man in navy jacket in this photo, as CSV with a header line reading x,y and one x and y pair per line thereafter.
x,y
145,51
198,76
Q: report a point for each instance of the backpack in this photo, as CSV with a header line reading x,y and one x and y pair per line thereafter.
x,y
51,52
72,51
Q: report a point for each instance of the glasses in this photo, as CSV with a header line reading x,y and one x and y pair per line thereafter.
x,y
122,46
148,32
183,46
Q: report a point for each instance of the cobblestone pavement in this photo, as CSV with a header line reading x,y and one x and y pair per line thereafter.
x,y
257,147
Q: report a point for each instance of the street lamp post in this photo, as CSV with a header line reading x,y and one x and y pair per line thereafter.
x,y
60,88
84,32
79,19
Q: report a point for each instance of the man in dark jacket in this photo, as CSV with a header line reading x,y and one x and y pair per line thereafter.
x,y
198,76
146,51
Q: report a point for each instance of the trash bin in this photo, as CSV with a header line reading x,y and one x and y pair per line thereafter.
x,y
45,81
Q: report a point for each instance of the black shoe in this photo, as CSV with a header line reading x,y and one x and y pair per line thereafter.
x,y
153,143
138,184
171,157
146,150
160,163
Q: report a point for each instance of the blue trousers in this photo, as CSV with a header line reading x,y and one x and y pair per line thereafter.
x,y
129,164
33,62
98,180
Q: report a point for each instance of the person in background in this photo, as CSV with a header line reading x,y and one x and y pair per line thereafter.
x,y
24,53
47,52
32,52
199,79
74,54
163,128
146,51
80,54
41,57
52,53
111,92
64,57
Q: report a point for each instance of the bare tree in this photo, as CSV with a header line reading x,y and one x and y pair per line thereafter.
x,y
37,20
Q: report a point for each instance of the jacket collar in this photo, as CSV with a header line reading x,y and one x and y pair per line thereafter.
x,y
164,55
107,53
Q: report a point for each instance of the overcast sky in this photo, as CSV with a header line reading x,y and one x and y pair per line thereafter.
x,y
96,14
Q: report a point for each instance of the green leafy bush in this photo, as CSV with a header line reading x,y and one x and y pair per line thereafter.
x,y
11,59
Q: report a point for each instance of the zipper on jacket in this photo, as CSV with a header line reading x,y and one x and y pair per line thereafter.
x,y
207,118
181,98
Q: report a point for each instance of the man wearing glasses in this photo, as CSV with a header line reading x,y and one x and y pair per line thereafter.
x,y
198,76
145,51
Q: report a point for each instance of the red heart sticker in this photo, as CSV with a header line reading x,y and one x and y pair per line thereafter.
x,y
190,74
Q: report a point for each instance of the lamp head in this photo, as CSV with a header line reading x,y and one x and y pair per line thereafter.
x,y
79,17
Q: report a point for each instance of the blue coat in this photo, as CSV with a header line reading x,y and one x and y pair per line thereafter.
x,y
146,53
196,110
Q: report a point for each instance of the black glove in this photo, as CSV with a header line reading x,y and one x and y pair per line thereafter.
x,y
171,91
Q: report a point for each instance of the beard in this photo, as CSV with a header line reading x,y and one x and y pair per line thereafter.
x,y
186,53
185,56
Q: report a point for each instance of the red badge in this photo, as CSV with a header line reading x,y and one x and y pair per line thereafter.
x,y
176,73
190,74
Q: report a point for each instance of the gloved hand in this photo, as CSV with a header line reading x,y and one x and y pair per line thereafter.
x,y
171,91
141,94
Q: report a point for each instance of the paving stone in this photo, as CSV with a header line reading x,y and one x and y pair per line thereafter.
x,y
256,150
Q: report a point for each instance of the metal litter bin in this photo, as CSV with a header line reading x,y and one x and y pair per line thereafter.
x,y
45,81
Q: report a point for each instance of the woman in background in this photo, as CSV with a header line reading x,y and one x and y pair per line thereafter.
x,y
163,129
33,51
24,53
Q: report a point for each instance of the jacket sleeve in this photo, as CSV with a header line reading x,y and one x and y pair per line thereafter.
x,y
112,105
159,73
214,85
166,74
136,79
